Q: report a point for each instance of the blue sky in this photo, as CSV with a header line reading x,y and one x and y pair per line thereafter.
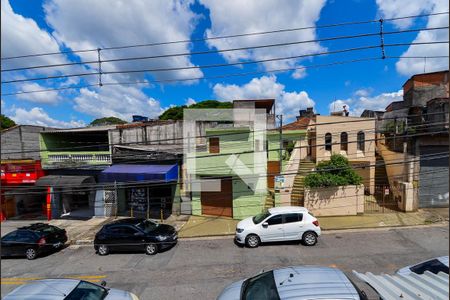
x,y
47,26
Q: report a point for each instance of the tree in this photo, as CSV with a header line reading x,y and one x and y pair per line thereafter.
x,y
176,112
6,122
107,121
335,172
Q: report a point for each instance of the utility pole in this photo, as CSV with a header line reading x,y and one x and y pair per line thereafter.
x,y
280,117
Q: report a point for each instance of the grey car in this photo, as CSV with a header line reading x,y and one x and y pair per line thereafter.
x,y
306,282
67,289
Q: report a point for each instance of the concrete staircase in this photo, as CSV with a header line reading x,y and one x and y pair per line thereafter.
x,y
270,199
298,188
381,177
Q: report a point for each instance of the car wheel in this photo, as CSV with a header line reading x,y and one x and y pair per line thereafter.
x,y
103,250
151,249
30,253
252,241
309,238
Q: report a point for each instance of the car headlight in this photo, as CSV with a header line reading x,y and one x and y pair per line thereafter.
x,y
239,230
162,237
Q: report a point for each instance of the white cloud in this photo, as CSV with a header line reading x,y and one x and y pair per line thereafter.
x,y
408,67
288,103
50,97
190,101
38,116
232,17
22,36
115,23
357,105
363,92
119,101
299,74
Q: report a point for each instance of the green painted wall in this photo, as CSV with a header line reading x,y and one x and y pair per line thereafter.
x,y
238,141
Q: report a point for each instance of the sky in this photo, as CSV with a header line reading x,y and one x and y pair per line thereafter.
x,y
30,27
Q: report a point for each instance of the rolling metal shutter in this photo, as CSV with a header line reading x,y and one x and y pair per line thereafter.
x,y
433,177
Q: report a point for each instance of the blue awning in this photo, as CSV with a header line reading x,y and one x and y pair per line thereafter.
x,y
124,173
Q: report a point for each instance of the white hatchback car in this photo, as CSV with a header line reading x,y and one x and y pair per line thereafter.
x,y
287,223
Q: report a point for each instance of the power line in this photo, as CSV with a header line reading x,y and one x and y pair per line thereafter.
x,y
128,184
225,50
241,74
350,120
223,64
227,36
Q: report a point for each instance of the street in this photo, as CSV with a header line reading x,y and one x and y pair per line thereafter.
x,y
199,269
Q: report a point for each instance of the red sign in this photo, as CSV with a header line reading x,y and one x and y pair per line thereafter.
x,y
21,172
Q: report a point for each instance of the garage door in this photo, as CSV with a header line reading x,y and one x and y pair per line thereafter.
x,y
433,181
219,203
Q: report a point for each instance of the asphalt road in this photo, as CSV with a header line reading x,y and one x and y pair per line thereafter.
x,y
199,269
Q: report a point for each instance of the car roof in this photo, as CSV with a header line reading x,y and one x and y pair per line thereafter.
x,y
47,289
127,221
35,227
287,209
313,282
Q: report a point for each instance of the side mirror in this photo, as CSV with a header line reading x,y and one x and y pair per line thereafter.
x,y
265,224
103,283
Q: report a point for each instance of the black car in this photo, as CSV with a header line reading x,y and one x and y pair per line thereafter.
x,y
32,240
134,234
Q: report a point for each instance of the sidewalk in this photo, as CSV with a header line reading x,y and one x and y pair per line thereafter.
x,y
83,231
199,226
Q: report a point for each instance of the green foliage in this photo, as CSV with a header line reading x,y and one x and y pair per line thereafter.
x,y
107,121
6,122
335,172
176,112
390,127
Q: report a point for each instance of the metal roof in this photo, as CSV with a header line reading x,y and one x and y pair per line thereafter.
x,y
83,129
412,286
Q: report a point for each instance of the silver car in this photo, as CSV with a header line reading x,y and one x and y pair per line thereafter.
x,y
306,282
67,289
434,265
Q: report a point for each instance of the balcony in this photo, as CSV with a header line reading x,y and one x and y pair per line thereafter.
x,y
53,160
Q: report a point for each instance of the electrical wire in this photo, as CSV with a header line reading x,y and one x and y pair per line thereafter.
x,y
103,61
222,64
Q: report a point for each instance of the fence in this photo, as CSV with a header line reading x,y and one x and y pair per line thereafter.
x,y
382,201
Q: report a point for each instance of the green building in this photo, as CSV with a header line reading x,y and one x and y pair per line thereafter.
x,y
245,166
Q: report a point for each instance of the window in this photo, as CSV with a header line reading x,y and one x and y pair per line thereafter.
x,y
344,141
10,236
87,290
275,220
25,236
291,218
328,142
433,266
214,146
127,230
261,286
260,217
361,140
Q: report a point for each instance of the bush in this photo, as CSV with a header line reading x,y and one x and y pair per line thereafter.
x,y
335,172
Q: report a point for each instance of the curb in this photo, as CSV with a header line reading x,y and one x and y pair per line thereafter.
x,y
324,231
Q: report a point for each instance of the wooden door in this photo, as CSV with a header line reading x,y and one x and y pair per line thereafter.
x,y
273,169
219,203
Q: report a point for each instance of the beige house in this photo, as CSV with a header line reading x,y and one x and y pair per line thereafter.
x,y
353,137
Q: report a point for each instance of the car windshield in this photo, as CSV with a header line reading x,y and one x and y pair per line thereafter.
x,y
260,217
147,225
433,266
87,291
261,286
